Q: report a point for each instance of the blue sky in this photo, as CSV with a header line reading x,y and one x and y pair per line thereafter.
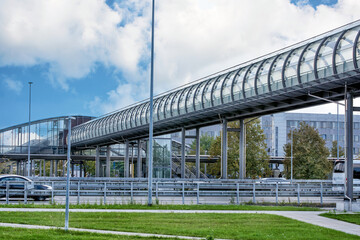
x,y
92,57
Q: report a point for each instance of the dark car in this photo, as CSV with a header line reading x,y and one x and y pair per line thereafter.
x,y
38,192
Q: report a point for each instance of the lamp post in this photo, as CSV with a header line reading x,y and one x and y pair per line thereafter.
x,y
68,174
292,140
28,167
150,172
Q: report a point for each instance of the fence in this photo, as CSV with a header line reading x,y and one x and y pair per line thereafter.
x,y
138,187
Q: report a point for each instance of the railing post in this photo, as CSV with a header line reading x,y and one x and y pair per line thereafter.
x,y
7,192
183,193
52,192
78,193
197,193
254,200
131,192
25,192
105,193
237,194
156,189
298,193
321,193
277,193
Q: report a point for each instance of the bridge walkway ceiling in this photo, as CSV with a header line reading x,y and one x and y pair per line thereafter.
x,y
276,82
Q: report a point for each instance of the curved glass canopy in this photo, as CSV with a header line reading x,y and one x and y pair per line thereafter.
x,y
322,58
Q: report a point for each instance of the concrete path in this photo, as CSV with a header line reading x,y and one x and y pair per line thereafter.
x,y
311,217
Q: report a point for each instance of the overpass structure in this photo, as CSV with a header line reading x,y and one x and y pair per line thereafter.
x,y
323,68
312,72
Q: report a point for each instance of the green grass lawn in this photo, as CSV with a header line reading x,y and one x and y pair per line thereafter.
x,y
58,234
351,218
230,226
164,207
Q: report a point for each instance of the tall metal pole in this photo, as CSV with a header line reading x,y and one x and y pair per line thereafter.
x,y
150,172
68,174
349,145
292,140
337,129
28,163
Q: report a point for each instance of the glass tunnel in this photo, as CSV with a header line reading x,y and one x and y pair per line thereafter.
x,y
316,60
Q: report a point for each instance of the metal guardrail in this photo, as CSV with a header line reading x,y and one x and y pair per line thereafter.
x,y
137,187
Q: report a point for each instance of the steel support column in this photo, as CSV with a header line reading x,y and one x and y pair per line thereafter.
x,y
182,153
17,167
81,169
139,159
107,172
126,163
242,150
72,170
44,168
197,160
56,168
97,162
51,168
224,146
349,145
40,168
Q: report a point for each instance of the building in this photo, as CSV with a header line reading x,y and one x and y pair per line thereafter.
x,y
277,127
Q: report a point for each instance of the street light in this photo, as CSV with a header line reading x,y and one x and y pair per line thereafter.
x,y
151,109
292,140
28,172
68,174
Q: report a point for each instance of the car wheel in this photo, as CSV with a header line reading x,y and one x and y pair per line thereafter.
x,y
39,198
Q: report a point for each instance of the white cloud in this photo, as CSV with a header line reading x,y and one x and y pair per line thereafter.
x,y
70,35
193,38
13,85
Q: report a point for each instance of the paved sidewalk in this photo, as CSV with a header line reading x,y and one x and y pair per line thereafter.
x,y
311,217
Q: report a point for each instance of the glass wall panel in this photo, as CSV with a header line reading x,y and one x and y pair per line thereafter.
x,y
168,105
182,100
161,108
198,96
262,78
249,85
174,105
324,60
226,91
144,113
162,158
237,84
307,63
344,51
357,52
291,68
207,92
216,94
276,73
190,99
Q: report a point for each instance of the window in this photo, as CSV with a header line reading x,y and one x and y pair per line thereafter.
x,y
356,138
356,125
323,136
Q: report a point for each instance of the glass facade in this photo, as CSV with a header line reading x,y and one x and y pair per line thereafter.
x,y
47,136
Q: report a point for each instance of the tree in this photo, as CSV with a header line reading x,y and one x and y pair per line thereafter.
x,y
333,150
257,163
309,154
205,144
